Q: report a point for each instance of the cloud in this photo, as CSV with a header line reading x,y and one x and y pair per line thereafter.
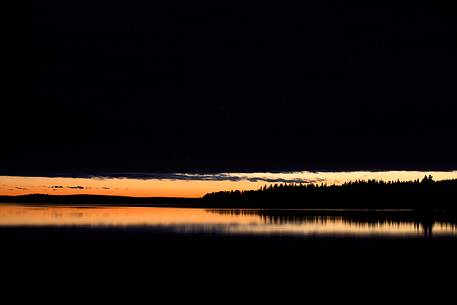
x,y
285,180
21,188
268,177
77,187
211,177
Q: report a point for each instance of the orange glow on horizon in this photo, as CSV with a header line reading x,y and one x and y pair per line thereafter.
x,y
117,186
12,185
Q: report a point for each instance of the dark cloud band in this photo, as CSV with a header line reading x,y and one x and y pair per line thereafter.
x,y
234,177
207,177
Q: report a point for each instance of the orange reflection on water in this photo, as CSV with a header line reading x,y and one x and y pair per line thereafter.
x,y
200,220
15,215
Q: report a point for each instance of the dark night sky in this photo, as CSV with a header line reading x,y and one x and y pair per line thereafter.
x,y
119,85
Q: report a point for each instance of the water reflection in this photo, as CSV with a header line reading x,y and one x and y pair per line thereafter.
x,y
235,221
396,222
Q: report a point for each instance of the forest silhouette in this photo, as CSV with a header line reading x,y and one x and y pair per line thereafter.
x,y
423,196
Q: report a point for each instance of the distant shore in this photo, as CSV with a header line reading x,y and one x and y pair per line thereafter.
x,y
101,200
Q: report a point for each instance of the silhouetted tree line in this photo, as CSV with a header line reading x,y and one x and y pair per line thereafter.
x,y
421,195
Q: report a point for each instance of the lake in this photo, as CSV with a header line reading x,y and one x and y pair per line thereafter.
x,y
306,223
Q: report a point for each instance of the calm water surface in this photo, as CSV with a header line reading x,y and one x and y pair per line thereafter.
x,y
229,221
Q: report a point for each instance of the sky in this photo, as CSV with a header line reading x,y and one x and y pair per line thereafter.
x,y
190,185
203,88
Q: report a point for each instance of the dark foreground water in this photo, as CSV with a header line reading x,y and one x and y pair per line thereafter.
x,y
227,251
183,232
